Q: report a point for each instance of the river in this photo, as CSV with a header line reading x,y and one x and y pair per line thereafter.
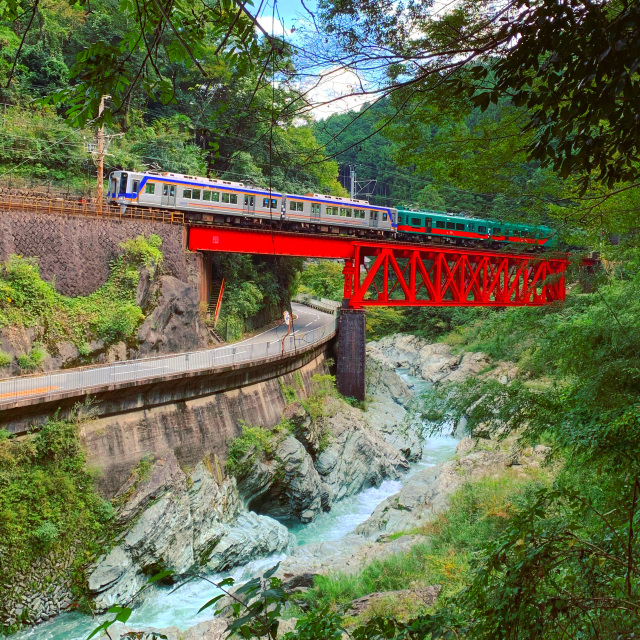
x,y
165,607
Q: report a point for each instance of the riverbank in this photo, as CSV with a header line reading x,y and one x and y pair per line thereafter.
x,y
324,473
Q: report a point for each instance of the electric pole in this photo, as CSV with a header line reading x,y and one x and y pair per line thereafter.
x,y
352,169
100,155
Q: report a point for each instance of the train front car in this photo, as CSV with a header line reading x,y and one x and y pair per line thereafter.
x,y
124,187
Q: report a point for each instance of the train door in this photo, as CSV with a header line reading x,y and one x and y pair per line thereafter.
x,y
113,188
169,195
315,212
249,207
373,218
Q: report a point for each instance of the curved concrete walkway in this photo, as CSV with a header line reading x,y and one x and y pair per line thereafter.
x,y
309,326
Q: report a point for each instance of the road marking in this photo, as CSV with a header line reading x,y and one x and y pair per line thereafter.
x,y
28,392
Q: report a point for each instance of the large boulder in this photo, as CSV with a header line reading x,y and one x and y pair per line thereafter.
x,y
171,521
389,398
432,362
174,325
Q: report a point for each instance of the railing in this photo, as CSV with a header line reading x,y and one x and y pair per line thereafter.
x,y
90,379
321,304
60,206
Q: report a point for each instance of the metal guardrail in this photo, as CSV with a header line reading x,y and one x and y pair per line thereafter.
x,y
93,378
60,206
321,304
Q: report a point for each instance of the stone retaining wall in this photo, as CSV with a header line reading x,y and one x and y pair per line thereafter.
x,y
75,251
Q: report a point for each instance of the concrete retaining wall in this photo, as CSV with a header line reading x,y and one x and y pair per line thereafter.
x,y
190,428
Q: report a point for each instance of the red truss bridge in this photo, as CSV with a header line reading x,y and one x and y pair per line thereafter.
x,y
391,273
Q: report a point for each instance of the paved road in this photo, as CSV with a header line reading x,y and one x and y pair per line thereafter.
x,y
309,326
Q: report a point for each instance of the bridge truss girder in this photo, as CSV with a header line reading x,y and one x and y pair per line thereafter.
x,y
437,276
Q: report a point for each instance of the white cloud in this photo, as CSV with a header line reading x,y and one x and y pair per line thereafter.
x,y
337,91
273,27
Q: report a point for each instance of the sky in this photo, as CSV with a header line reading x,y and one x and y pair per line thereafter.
x,y
334,83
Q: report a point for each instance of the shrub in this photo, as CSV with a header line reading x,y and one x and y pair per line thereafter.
x,y
46,534
5,359
258,442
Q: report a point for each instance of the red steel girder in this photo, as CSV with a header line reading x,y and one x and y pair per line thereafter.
x,y
436,276
390,273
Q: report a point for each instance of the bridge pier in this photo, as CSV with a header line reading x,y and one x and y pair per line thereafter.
x,y
352,353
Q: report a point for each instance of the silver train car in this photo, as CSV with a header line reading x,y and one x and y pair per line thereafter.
x,y
206,200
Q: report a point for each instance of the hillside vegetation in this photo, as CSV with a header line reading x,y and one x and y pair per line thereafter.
x,y
110,314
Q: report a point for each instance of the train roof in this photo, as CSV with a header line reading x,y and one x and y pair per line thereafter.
x,y
458,216
336,198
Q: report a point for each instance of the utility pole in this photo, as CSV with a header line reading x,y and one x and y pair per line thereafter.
x,y
100,156
352,169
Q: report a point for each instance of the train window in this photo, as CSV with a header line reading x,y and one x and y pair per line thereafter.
x,y
225,197
370,215
315,207
482,229
497,231
384,217
150,188
195,194
186,193
472,227
451,225
343,212
329,211
215,196
525,234
249,201
349,213
296,206
233,198
265,203
439,224
362,214
135,186
515,233
274,203
415,222
123,182
459,226
206,195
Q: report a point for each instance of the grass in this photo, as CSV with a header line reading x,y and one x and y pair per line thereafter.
x,y
479,512
109,314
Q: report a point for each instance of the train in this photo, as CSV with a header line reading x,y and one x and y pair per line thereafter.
x,y
217,201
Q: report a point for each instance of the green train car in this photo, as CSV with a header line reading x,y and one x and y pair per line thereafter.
x,y
435,226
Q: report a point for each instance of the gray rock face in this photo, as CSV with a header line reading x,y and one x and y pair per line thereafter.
x,y
358,456
174,325
337,455
432,362
387,410
250,537
170,523
302,483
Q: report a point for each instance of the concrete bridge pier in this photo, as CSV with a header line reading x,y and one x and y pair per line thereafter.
x,y
352,353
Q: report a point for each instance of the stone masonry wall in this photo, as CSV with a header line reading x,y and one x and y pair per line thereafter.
x,y
75,251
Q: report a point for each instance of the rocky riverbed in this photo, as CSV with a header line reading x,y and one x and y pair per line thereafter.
x,y
201,519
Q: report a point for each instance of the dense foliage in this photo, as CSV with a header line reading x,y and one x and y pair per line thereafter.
x,y
48,507
231,122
